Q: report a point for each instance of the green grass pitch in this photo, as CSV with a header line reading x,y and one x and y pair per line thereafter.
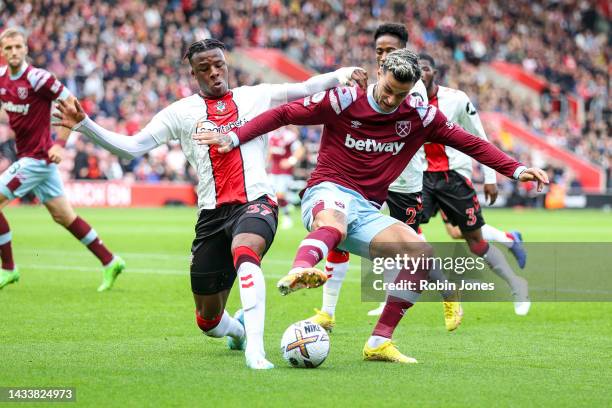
x,y
138,345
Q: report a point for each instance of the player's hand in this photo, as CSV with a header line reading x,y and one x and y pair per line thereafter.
x,y
69,114
360,77
490,192
221,140
56,152
353,75
535,174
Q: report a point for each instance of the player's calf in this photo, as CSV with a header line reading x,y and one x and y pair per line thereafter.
x,y
252,296
6,249
220,326
499,265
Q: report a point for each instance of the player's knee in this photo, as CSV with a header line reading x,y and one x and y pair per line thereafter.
x,y
60,218
254,242
419,250
320,223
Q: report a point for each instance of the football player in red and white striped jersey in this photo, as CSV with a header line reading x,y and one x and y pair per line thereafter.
x,y
237,207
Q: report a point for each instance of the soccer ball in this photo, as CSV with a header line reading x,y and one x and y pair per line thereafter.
x,y
305,344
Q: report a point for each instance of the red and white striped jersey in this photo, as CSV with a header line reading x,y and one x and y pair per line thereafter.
x,y
239,176
458,108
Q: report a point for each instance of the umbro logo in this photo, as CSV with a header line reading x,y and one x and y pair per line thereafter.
x,y
355,124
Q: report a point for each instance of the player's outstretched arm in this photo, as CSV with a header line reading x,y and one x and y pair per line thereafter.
x,y
70,115
304,112
444,132
344,76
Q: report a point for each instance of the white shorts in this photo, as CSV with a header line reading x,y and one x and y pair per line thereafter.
x,y
365,220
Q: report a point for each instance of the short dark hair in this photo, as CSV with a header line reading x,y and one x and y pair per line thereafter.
x,y
394,29
201,46
428,58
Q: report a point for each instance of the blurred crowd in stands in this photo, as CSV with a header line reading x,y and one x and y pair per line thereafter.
x,y
123,60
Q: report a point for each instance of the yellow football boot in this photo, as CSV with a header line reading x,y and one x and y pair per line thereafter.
x,y
386,352
323,319
302,278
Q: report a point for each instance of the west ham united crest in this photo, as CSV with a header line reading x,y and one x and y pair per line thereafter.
x,y
220,106
402,128
22,92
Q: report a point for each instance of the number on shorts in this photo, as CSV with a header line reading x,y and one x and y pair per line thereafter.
x,y
471,217
259,208
411,213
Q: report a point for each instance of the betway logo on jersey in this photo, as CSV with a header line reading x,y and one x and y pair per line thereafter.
x,y
371,145
16,108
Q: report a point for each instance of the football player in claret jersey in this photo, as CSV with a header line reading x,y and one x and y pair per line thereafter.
x,y
404,202
27,94
286,150
447,185
356,165
454,189
237,208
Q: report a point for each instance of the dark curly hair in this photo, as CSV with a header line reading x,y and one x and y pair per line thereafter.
x,y
394,29
428,58
201,46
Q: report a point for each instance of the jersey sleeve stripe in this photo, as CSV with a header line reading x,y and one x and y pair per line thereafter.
x,y
37,78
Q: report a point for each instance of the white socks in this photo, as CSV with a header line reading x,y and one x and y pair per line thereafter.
x,y
228,326
331,289
376,341
492,234
253,298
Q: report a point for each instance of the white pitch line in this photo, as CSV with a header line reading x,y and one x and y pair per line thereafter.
x,y
269,276
144,255
136,255
149,271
